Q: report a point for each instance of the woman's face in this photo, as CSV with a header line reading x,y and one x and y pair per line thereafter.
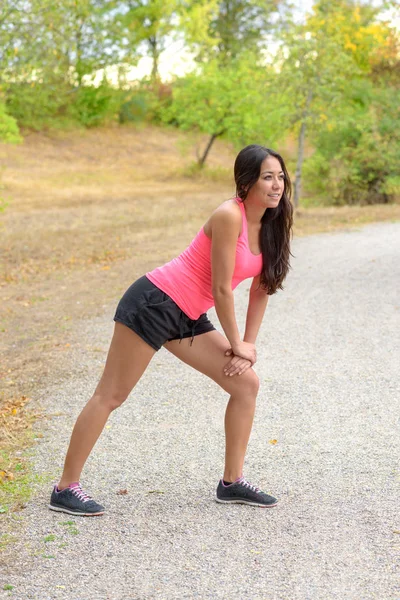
x,y
269,188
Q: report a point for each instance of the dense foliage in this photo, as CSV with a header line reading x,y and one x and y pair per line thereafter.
x,y
330,83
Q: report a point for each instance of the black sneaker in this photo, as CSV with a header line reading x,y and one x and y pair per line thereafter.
x,y
242,492
74,501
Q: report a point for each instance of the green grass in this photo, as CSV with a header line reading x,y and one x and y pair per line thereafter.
x,y
72,528
15,494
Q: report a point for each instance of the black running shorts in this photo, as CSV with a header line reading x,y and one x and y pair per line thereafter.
x,y
155,317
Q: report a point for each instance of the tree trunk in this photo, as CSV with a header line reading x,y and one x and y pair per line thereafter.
x,y
79,54
155,55
299,166
300,151
208,148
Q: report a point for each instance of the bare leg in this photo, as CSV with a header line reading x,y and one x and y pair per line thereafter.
x,y
238,423
207,355
127,360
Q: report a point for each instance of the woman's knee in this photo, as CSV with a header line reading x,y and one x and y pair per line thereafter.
x,y
253,381
247,383
112,399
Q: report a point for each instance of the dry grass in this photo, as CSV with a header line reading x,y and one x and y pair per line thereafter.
x,y
16,435
325,219
88,212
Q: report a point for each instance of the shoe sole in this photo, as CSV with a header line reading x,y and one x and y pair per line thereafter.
x,y
239,501
78,514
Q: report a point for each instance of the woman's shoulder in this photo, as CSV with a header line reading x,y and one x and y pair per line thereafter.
x,y
227,214
228,211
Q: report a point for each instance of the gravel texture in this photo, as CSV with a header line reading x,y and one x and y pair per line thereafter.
x,y
329,367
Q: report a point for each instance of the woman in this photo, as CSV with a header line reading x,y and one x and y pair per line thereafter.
x,y
248,236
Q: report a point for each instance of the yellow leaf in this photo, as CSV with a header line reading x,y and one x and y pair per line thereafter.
x,y
273,442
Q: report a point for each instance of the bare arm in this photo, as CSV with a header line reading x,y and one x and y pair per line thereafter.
x,y
258,300
225,228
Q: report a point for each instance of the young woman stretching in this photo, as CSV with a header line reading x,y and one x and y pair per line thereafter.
x,y
248,236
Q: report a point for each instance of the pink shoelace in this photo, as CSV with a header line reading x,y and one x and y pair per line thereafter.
x,y
79,493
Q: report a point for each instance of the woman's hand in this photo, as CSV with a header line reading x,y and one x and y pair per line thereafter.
x,y
237,366
244,350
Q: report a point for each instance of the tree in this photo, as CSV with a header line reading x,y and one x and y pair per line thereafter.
x,y
323,62
229,28
150,24
227,102
53,51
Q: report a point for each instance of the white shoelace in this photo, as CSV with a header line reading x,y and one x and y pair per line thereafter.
x,y
80,494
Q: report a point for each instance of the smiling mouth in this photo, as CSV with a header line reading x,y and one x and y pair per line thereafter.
x,y
274,195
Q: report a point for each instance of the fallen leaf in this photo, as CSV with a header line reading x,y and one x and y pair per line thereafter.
x,y
273,442
122,492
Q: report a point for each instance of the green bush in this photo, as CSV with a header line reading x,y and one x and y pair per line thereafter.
x,y
146,102
34,105
93,106
9,131
356,158
55,104
134,109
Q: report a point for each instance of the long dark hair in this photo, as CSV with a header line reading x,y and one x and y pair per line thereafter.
x,y
276,223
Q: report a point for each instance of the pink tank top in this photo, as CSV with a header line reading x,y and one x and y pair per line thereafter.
x,y
187,278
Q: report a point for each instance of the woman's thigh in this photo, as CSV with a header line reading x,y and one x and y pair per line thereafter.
x,y
126,362
207,355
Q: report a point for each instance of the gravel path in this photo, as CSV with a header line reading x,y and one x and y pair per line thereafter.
x,y
329,366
